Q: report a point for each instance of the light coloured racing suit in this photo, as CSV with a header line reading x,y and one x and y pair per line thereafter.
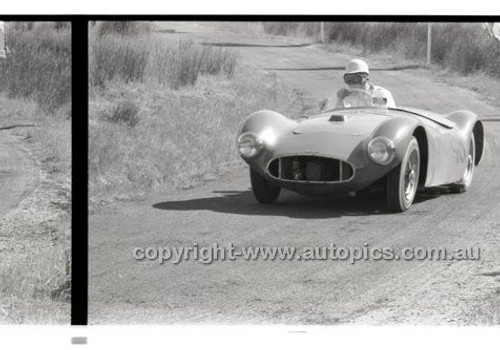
x,y
374,90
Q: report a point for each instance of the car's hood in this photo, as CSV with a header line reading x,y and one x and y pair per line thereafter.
x,y
349,124
321,144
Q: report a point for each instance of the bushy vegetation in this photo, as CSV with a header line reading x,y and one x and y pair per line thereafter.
x,y
172,125
39,67
117,57
462,47
126,28
35,87
124,112
292,28
185,62
140,56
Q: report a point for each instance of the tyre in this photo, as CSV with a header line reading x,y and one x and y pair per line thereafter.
x,y
402,181
264,191
466,180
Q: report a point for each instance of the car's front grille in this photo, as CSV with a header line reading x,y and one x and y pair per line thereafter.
x,y
310,168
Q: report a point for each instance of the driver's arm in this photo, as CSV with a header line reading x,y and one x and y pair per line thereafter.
x,y
386,95
341,94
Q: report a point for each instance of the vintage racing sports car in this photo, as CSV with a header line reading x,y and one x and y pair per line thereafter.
x,y
350,148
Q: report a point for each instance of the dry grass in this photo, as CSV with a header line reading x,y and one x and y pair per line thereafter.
x,y
50,139
35,87
177,125
185,62
125,28
116,57
142,57
487,87
182,137
31,276
40,65
488,312
310,29
35,237
125,112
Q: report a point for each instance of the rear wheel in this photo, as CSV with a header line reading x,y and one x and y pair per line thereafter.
x,y
402,181
264,191
466,180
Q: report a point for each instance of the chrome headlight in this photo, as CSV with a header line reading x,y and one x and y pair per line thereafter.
x,y
249,145
381,150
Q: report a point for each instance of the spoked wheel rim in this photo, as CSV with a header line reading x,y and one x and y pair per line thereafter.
x,y
402,181
411,176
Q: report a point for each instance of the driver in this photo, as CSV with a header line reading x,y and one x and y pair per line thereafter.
x,y
356,78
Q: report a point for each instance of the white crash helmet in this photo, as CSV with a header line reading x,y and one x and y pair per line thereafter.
x,y
356,66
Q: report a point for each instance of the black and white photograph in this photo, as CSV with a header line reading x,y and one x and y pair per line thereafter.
x,y
282,172
35,172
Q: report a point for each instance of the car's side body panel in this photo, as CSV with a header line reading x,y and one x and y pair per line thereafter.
x,y
344,135
447,156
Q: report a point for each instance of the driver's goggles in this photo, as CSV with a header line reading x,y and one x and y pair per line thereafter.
x,y
355,78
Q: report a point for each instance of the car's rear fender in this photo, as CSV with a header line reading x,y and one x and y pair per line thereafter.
x,y
469,123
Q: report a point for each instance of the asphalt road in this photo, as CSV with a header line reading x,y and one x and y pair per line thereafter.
x,y
18,173
123,290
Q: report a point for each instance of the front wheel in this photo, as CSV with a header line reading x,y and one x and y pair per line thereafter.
x,y
464,183
264,191
402,181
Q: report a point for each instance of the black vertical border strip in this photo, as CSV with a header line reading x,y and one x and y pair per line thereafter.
x,y
79,129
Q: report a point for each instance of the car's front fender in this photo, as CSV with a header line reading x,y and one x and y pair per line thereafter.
x,y
263,120
400,130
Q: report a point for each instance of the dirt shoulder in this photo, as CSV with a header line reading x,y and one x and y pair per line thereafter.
x,y
35,238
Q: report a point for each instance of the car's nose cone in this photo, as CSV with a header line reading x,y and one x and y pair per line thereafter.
x,y
319,143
